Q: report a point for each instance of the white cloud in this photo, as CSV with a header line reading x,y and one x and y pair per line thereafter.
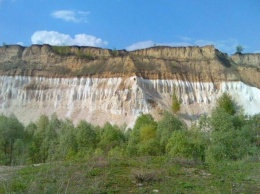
x,y
140,45
20,43
228,46
70,16
56,38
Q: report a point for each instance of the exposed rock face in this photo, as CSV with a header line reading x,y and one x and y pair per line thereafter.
x,y
102,85
250,59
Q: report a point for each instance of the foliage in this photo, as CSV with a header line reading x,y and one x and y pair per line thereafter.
x,y
178,145
239,49
114,52
147,132
231,136
11,132
166,126
219,154
62,50
144,123
222,136
111,137
85,136
226,102
221,121
227,145
176,105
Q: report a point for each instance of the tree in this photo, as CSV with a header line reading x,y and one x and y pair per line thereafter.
x,y
176,105
227,145
166,126
226,103
135,137
111,137
147,132
178,145
11,130
221,121
239,49
85,136
67,140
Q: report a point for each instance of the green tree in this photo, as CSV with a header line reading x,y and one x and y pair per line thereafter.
x,y
68,146
134,138
226,103
190,144
227,145
178,145
42,138
239,49
147,132
148,145
166,126
85,136
111,137
11,130
176,105
220,120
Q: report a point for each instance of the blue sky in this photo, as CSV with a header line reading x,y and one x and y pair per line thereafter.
x,y
132,24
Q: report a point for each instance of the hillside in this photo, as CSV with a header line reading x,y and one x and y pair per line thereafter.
x,y
101,85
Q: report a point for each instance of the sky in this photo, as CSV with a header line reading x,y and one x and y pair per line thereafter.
x,y
132,24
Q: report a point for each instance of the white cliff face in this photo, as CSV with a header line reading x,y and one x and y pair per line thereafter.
x,y
117,100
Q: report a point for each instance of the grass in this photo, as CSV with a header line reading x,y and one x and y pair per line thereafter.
x,y
66,51
134,175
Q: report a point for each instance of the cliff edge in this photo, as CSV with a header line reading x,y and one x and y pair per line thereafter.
x,y
186,63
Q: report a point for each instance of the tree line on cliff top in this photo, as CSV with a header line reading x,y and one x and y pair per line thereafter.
x,y
224,135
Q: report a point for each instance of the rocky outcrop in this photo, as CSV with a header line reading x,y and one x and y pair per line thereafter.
x,y
102,85
249,59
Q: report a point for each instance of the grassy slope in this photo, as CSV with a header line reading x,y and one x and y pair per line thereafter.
x,y
134,175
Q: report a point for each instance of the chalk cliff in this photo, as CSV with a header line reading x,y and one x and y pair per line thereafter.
x,y
101,85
